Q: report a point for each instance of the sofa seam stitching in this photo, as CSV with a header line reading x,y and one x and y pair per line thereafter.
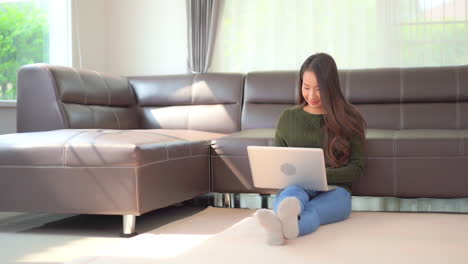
x,y
462,145
91,108
57,98
65,147
117,118
189,145
191,102
104,167
457,80
107,88
401,98
395,167
389,157
347,85
137,185
109,99
82,86
218,156
166,146
394,163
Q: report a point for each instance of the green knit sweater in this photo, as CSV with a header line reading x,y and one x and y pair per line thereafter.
x,y
298,128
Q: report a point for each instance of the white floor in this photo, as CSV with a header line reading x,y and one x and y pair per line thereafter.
x,y
56,238
233,236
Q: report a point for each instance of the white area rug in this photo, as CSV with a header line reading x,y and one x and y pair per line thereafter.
x,y
223,235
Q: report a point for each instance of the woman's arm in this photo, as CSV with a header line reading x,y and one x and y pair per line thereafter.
x,y
353,170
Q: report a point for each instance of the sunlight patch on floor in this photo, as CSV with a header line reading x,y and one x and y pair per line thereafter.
x,y
156,245
57,249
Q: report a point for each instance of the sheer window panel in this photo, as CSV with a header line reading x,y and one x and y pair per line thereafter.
x,y
260,35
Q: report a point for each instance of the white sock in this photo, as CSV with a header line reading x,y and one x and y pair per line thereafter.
x,y
272,225
288,212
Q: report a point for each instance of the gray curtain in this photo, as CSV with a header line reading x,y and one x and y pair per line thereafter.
x,y
202,16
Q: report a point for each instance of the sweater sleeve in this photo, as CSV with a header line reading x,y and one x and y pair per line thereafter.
x,y
353,170
280,129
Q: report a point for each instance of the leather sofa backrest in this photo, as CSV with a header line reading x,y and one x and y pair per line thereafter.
x,y
207,102
392,98
54,97
266,94
411,98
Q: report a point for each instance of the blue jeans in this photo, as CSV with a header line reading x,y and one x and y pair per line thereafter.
x,y
317,208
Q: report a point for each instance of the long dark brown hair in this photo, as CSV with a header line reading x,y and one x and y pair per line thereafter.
x,y
341,120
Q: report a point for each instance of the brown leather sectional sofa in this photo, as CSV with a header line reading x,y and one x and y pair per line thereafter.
x,y
101,144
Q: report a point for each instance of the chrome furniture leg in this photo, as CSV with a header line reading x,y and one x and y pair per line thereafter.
x,y
129,222
228,200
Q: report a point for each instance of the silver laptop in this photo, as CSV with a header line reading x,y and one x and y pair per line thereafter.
x,y
279,167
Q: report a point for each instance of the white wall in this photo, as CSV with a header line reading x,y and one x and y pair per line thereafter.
x,y
89,34
7,118
146,37
138,37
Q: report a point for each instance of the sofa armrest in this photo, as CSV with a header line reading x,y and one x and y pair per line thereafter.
x,y
38,107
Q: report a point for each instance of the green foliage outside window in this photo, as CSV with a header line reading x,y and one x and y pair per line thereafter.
x,y
24,38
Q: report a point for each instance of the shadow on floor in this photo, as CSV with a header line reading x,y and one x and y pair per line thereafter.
x,y
111,225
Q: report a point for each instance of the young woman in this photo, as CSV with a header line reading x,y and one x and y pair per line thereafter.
x,y
322,119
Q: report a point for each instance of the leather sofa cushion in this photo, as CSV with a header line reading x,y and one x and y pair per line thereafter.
x,y
236,144
381,142
102,148
430,142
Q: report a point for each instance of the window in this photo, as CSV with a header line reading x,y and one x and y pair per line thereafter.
x,y
434,32
31,31
281,34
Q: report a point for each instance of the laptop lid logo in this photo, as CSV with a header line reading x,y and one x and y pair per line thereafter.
x,y
288,169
